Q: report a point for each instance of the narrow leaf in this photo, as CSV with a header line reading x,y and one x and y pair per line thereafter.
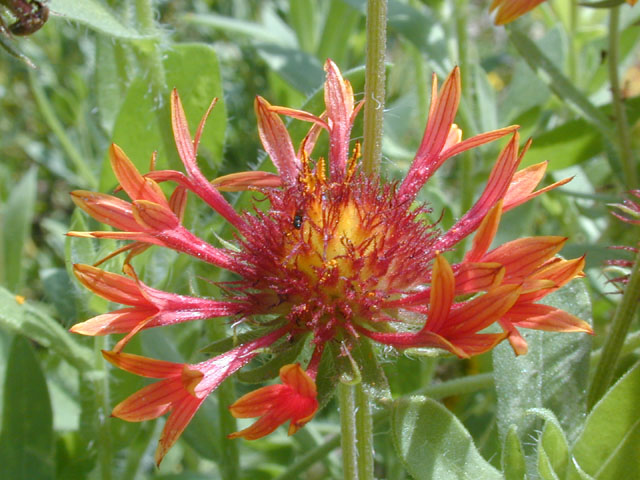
x,y
557,82
16,228
27,441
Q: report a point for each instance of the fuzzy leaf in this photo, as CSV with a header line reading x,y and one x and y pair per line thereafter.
x,y
513,464
94,15
433,443
608,447
144,122
30,321
552,375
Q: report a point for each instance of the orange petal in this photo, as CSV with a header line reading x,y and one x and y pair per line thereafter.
x,y
236,182
181,414
136,186
203,120
115,288
477,343
276,141
181,134
485,234
479,313
544,317
150,402
143,366
120,321
524,182
522,256
441,116
442,293
294,376
509,10
153,216
106,209
475,277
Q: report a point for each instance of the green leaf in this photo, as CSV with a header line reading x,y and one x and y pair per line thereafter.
x,y
513,464
28,320
271,368
27,442
363,359
553,450
299,69
144,122
557,82
432,442
16,228
94,15
552,375
609,444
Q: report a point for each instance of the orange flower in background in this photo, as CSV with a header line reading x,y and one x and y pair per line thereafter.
x,y
508,10
334,255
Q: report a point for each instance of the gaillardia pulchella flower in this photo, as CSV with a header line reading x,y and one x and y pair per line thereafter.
x,y
334,258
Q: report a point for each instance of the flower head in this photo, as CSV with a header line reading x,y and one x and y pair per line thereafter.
x,y
335,255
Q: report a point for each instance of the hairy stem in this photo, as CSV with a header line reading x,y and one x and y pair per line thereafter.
x,y
622,124
374,85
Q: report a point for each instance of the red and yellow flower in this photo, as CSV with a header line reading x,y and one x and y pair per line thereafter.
x,y
338,255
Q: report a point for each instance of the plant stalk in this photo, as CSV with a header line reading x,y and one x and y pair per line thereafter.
x,y
348,428
374,86
629,167
615,339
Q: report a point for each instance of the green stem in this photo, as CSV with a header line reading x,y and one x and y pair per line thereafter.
x,y
458,386
572,61
230,467
374,85
49,115
615,339
364,433
348,427
449,388
466,168
622,124
105,451
313,456
149,50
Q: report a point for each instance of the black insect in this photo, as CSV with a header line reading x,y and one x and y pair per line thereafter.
x,y
30,15
297,221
